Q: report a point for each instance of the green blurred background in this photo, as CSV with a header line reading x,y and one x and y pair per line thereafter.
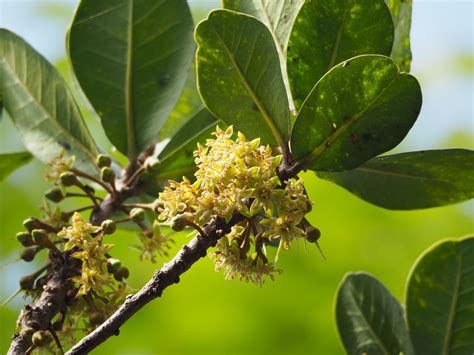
x,y
205,314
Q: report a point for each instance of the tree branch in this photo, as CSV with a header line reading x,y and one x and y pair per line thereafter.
x,y
169,274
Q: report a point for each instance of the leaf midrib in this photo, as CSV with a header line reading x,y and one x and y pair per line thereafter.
x,y
128,88
281,54
452,311
368,325
389,173
254,97
344,127
78,144
335,49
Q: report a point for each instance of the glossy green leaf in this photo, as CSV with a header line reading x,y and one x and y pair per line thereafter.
x,y
239,75
401,14
131,60
9,162
440,299
358,110
327,32
41,105
411,180
278,15
369,319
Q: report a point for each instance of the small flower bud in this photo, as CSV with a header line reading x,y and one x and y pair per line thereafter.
x,y
113,265
28,254
54,195
68,179
40,237
121,274
108,226
31,223
41,338
25,239
107,175
179,223
137,214
312,234
96,318
103,161
27,282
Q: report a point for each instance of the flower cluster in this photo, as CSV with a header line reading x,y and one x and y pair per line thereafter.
x,y
101,279
239,177
90,251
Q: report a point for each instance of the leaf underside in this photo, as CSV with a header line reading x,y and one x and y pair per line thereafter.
x,y
369,319
41,105
411,180
401,14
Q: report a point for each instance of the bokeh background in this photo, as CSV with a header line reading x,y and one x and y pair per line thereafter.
x,y
205,314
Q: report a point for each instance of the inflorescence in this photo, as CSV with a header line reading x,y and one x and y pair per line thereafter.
x,y
239,177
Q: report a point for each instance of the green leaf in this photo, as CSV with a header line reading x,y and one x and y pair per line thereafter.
x,y
1,106
177,157
440,299
188,104
358,110
369,319
278,15
412,180
326,33
401,14
131,60
239,75
9,162
41,105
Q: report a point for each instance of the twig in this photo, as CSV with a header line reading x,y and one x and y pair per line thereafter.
x,y
91,178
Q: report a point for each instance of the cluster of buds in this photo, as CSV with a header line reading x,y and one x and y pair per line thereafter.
x,y
239,177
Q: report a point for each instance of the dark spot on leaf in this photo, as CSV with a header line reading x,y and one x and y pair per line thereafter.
x,y
65,145
254,107
355,141
354,138
163,80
